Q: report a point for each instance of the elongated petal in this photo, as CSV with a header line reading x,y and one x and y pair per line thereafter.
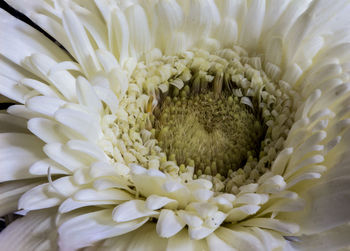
x,y
85,229
10,192
19,40
169,224
131,210
17,153
36,231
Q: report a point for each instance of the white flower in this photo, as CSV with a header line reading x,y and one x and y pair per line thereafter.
x,y
176,125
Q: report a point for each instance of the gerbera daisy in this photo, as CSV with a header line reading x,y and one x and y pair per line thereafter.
x,y
176,125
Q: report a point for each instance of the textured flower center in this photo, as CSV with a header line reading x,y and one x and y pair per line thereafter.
x,y
198,115
214,130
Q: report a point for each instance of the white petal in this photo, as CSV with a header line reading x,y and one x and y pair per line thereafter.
x,y
17,153
285,205
203,195
13,71
52,104
252,198
270,239
155,202
119,34
36,231
87,148
16,44
36,12
190,218
63,81
42,167
10,192
11,89
201,232
69,204
274,224
251,28
108,97
40,87
68,158
86,229
182,241
140,37
47,195
79,40
239,213
215,243
273,184
169,224
305,176
83,123
21,111
238,239
46,130
100,169
279,164
110,194
144,238
87,96
131,210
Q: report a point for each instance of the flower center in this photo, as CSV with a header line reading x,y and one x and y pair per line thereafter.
x,y
216,131
220,117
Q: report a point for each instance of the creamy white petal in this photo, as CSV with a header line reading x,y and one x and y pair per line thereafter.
x,y
88,148
79,40
81,122
18,152
169,224
238,239
144,238
47,130
48,194
87,96
44,166
70,159
182,241
110,194
140,37
70,204
12,90
251,28
274,224
108,97
52,105
215,243
19,40
155,202
85,229
270,239
36,231
131,210
11,191
42,65
239,213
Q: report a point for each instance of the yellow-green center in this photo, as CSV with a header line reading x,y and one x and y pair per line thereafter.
x,y
216,132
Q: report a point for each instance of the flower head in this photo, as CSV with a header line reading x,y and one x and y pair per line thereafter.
x,y
195,125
